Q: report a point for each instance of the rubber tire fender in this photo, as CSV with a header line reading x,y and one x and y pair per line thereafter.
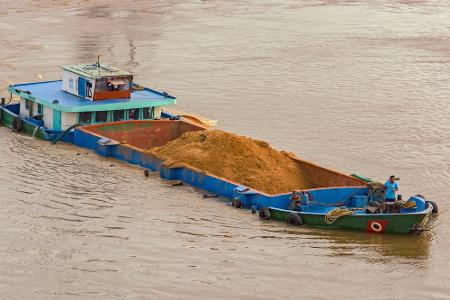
x,y
264,213
295,219
17,124
435,207
236,203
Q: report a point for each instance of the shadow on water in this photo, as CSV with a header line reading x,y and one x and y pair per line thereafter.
x,y
374,248
371,247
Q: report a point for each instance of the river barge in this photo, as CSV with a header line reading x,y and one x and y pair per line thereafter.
x,y
100,108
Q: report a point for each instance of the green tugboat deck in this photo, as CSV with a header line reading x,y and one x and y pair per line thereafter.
x,y
402,223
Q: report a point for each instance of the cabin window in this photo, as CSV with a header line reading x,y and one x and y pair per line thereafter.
x,y
108,85
40,109
118,115
148,113
133,114
100,85
27,104
111,86
30,107
125,86
88,89
85,117
118,84
101,116
71,83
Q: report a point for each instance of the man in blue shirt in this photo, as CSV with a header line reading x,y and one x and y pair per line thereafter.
x,y
391,188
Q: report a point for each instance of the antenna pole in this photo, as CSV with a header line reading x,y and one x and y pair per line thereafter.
x,y
98,60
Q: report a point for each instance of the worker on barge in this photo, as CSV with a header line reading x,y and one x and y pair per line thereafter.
x,y
391,188
295,201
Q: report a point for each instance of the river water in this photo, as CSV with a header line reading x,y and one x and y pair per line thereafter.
x,y
359,86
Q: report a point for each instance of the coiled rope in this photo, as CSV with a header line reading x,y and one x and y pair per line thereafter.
x,y
137,87
336,213
408,204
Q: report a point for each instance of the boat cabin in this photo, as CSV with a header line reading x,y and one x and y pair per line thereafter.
x,y
88,94
97,82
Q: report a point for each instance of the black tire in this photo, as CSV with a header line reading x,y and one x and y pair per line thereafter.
x,y
207,195
236,203
435,207
294,219
264,213
17,124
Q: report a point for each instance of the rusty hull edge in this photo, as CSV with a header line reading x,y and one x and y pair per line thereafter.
x,y
88,137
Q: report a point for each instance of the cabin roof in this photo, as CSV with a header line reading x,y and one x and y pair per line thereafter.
x,y
47,92
93,71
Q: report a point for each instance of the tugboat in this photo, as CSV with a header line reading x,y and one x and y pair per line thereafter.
x,y
87,94
352,208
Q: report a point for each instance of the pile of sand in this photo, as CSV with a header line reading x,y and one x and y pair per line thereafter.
x,y
237,158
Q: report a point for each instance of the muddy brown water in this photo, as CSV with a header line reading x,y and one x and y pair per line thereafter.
x,y
360,86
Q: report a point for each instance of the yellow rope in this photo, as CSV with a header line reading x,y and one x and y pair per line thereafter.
x,y
408,204
137,87
335,214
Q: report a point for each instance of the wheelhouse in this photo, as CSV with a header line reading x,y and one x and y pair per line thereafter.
x,y
88,94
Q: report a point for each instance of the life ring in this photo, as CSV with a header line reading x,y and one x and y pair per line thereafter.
x,y
264,213
294,219
17,124
435,207
376,226
236,203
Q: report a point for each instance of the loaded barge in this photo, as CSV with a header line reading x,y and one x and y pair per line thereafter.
x,y
100,108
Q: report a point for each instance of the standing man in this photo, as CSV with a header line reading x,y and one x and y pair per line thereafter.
x,y
295,201
391,188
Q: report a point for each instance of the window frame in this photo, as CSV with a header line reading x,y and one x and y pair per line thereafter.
x,y
31,108
139,114
152,113
124,116
89,89
79,117
95,117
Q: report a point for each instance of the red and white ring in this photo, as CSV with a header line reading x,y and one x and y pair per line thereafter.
x,y
376,226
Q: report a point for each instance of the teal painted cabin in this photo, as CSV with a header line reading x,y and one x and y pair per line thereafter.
x,y
88,94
